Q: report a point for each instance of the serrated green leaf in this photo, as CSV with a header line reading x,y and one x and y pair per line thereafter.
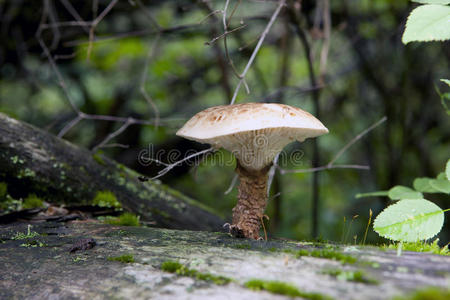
x,y
447,170
442,185
372,194
444,2
403,192
446,81
428,23
410,220
423,185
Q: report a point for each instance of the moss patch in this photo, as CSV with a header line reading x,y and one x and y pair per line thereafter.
x,y
355,276
422,246
427,294
242,246
32,201
328,254
126,219
22,236
97,157
176,267
106,199
282,288
126,258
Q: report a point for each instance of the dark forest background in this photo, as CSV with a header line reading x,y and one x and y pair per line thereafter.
x,y
160,62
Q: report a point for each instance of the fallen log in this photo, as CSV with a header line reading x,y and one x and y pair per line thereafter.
x,y
96,261
35,161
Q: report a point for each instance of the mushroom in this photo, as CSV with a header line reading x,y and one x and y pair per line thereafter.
x,y
255,133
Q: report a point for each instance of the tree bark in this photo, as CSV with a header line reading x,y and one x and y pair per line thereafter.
x,y
34,161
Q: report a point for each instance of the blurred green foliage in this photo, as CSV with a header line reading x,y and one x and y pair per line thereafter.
x,y
370,73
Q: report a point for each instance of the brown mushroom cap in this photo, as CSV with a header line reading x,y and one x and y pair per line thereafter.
x,y
254,132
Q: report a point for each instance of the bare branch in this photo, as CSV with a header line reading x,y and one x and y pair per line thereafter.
x,y
281,3
357,138
70,125
171,166
113,134
75,14
150,55
224,34
96,21
331,164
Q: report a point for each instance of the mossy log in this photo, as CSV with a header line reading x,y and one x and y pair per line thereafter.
x,y
35,161
131,263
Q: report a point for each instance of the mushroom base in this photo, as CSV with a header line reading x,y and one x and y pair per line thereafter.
x,y
252,200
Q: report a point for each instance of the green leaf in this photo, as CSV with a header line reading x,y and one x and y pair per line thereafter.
x,y
403,192
444,2
446,81
410,220
441,176
442,185
372,194
447,170
428,23
423,185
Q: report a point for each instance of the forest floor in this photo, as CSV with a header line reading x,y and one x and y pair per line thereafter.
x,y
91,260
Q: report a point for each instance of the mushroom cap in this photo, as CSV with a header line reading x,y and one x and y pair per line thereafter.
x,y
254,132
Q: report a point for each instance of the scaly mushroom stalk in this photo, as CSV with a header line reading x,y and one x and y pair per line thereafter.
x,y
252,201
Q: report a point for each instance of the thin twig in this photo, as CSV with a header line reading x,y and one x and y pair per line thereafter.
x,y
217,11
256,50
74,14
331,164
113,135
224,34
150,55
232,184
171,166
96,21
225,44
356,138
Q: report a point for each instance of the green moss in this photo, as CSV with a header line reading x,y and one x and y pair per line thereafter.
x,y
355,276
176,267
422,246
8,204
33,244
242,246
427,294
282,288
97,157
3,190
126,258
328,254
25,173
106,199
16,159
27,235
126,219
79,258
32,201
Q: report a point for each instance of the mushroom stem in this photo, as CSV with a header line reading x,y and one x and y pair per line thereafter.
x,y
252,200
